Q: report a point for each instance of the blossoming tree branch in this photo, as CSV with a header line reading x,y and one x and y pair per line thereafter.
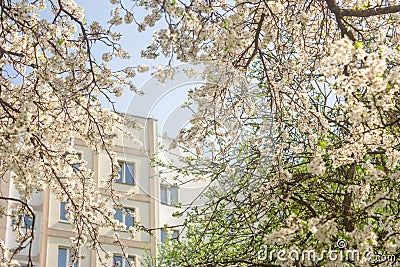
x,y
297,127
50,86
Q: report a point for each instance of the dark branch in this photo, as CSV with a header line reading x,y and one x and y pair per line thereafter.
x,y
369,12
334,8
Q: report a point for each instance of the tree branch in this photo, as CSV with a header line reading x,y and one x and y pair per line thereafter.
x,y
334,8
369,12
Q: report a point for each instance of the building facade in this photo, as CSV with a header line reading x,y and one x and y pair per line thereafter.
x,y
52,229
178,193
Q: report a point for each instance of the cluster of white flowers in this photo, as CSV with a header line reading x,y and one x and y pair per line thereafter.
x,y
303,100
316,166
116,18
49,97
142,68
164,74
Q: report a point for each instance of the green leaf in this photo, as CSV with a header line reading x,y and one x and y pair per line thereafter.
x,y
358,45
60,41
322,144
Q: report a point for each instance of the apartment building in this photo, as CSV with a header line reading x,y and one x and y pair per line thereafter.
x,y
177,193
52,229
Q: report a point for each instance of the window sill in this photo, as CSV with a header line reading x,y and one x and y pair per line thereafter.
x,y
134,184
123,231
169,205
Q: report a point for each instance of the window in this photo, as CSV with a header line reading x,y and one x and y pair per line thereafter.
x,y
164,235
63,212
164,194
168,195
25,221
173,195
121,262
64,258
126,174
125,216
75,166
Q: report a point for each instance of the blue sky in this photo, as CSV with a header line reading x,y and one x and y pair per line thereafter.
x,y
132,41
162,102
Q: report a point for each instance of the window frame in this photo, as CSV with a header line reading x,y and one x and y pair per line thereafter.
x,y
76,166
169,201
67,257
166,202
66,212
173,202
123,165
24,219
124,260
164,234
123,210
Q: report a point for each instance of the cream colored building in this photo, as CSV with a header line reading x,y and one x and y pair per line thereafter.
x,y
176,189
52,230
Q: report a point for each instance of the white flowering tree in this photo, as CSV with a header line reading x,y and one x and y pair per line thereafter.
x,y
297,128
50,87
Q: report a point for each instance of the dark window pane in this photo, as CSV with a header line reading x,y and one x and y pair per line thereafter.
x,y
76,166
63,211
24,221
164,194
117,259
129,221
163,235
129,173
62,257
175,234
28,222
118,215
174,195
130,261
